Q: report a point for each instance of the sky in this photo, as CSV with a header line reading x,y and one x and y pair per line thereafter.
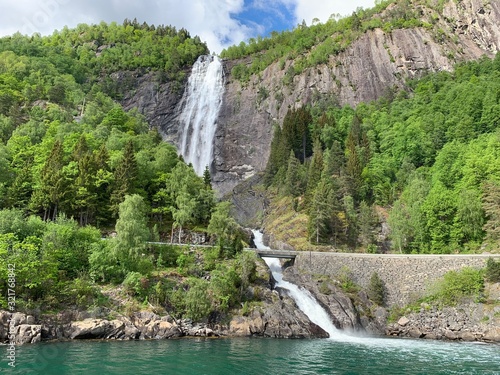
x,y
220,23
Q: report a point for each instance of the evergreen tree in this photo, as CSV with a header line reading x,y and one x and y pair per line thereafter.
x,y
315,169
207,179
83,189
376,289
335,161
125,177
296,133
292,181
102,186
354,168
52,186
19,193
277,156
319,214
366,222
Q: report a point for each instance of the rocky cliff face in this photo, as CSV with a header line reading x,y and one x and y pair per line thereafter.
x,y
368,69
372,65
157,101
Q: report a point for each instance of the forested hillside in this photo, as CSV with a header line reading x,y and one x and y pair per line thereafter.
x,y
427,158
74,166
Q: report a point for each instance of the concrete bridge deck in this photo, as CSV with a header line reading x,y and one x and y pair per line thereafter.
x,y
269,253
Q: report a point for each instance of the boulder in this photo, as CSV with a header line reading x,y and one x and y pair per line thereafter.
x,y
403,321
28,334
492,334
95,329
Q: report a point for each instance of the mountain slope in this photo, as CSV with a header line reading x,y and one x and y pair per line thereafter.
x,y
377,63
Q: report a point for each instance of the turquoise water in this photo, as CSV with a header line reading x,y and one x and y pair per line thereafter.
x,y
255,356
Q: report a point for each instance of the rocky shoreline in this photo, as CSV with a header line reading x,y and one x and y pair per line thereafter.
x,y
275,315
464,323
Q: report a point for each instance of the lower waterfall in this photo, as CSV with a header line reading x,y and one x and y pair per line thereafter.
x,y
304,300
200,109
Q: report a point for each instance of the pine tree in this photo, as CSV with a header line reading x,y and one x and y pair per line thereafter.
x,y
315,169
102,185
53,185
277,157
83,190
335,161
292,181
125,177
19,193
319,214
366,222
376,289
207,179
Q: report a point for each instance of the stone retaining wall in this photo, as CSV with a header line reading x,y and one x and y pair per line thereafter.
x,y
405,276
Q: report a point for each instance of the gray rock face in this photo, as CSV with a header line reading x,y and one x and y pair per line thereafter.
x,y
19,329
279,317
157,101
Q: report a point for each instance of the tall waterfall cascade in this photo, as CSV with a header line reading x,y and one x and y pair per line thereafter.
x,y
200,109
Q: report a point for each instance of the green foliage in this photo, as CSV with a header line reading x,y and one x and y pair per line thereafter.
x,y
226,229
135,284
492,272
197,300
376,289
293,136
69,245
457,285
132,233
74,164
82,293
346,282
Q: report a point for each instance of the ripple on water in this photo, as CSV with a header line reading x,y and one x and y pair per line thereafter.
x,y
258,356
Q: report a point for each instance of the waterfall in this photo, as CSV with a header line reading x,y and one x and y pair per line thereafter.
x,y
303,298
200,108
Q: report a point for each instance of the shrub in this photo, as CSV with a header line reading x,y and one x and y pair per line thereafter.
x,y
376,289
198,304
346,282
457,285
135,283
492,272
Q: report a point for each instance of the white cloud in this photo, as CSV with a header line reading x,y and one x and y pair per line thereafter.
x,y
213,20
322,9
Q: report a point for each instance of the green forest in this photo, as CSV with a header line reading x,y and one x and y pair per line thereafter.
x,y
74,167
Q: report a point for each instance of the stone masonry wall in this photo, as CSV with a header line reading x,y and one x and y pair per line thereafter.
x,y
406,277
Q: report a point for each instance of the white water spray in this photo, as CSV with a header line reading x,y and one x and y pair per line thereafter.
x,y
200,108
315,312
